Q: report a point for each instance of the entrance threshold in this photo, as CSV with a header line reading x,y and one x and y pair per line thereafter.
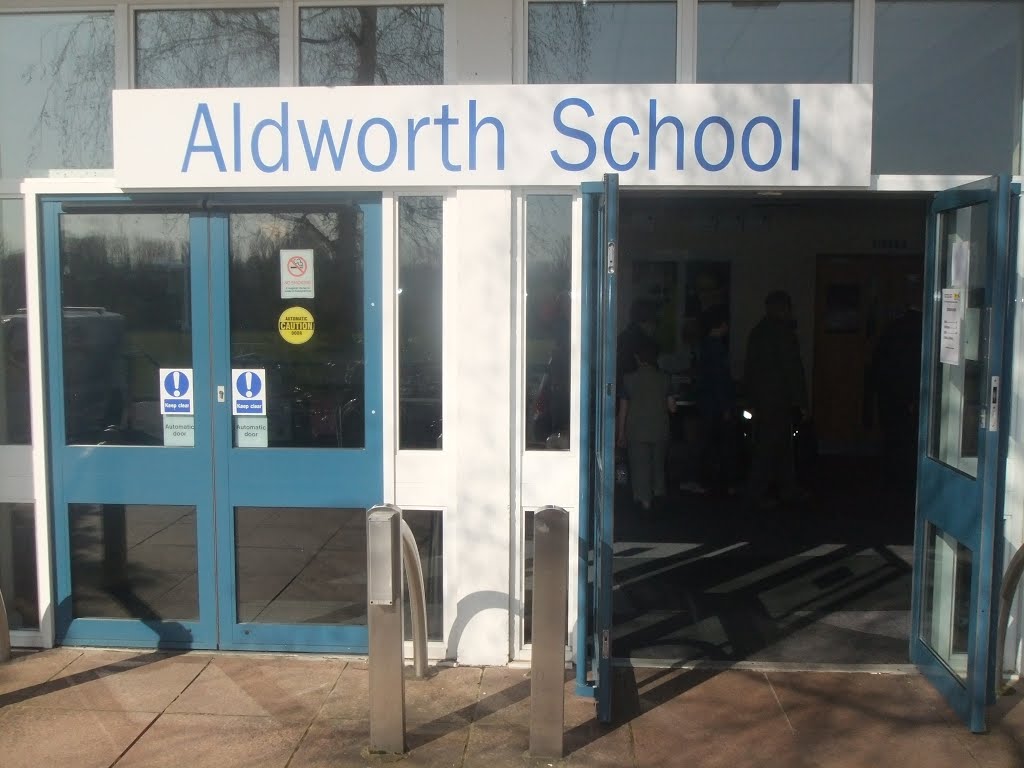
x,y
766,666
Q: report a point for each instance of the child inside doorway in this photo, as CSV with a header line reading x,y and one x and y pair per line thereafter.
x,y
643,423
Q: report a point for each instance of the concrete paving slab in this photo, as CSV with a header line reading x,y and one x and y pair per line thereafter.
x,y
142,681
497,746
505,698
449,694
27,670
350,698
214,741
285,689
66,738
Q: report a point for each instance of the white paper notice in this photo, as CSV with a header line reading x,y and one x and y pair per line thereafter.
x,y
960,268
297,273
949,346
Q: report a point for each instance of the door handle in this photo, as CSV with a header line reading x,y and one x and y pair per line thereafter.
x,y
993,405
221,394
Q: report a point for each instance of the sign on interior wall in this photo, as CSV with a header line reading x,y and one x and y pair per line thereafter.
x,y
493,135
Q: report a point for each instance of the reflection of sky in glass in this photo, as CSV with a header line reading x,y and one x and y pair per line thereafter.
x,y
802,41
408,46
947,86
631,42
207,48
59,69
12,227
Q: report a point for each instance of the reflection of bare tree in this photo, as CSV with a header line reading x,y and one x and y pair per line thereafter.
x,y
401,45
207,48
74,72
560,36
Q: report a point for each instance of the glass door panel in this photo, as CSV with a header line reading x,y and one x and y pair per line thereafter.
x,y
959,477
299,433
126,303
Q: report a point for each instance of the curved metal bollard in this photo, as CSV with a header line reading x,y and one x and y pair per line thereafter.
x,y
389,543
5,632
1011,583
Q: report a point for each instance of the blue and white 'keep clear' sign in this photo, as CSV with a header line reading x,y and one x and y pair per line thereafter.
x,y
248,392
176,392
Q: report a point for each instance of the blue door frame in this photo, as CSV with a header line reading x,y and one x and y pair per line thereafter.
x,y
212,475
597,443
969,509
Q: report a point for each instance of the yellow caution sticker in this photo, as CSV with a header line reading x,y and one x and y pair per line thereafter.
x,y
296,325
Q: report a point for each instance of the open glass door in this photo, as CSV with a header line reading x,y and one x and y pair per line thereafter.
x,y
597,448
959,466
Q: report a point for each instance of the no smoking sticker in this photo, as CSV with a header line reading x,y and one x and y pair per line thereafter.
x,y
297,273
296,325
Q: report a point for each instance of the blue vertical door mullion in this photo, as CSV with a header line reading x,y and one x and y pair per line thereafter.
x,y
52,330
589,301
608,250
221,428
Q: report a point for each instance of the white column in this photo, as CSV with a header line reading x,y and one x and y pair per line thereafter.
x,y
481,560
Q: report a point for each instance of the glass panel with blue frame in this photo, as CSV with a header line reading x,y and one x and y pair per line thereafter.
x,y
601,42
314,383
939,65
946,612
958,393
792,41
134,561
372,45
59,70
15,414
126,298
420,322
308,565
207,48
548,309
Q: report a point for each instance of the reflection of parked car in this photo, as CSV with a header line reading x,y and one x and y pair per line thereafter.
x,y
94,372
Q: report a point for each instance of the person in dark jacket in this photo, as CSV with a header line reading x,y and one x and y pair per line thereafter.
x,y
715,403
637,334
896,382
776,390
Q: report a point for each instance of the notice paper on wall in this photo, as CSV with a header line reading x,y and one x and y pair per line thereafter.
x,y
297,273
952,314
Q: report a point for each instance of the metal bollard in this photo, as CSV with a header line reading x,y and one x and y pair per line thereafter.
x,y
389,543
550,615
384,613
5,632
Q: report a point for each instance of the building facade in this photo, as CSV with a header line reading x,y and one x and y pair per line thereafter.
x,y
393,192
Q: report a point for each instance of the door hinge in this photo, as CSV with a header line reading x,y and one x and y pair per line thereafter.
x,y
609,389
612,250
606,644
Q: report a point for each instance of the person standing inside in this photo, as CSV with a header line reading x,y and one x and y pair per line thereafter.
x,y
776,390
643,423
715,399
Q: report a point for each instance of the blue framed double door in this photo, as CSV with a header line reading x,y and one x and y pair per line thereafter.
x,y
215,419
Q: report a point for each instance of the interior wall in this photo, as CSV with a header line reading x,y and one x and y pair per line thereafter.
x,y
770,243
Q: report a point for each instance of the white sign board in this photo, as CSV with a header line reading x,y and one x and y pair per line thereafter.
x,y
251,432
175,391
949,344
493,135
179,431
248,392
297,273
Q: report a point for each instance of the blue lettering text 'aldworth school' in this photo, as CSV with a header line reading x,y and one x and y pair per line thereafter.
x,y
456,140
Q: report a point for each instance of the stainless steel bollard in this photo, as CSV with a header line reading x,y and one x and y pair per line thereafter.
x,y
384,612
389,543
550,616
5,632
